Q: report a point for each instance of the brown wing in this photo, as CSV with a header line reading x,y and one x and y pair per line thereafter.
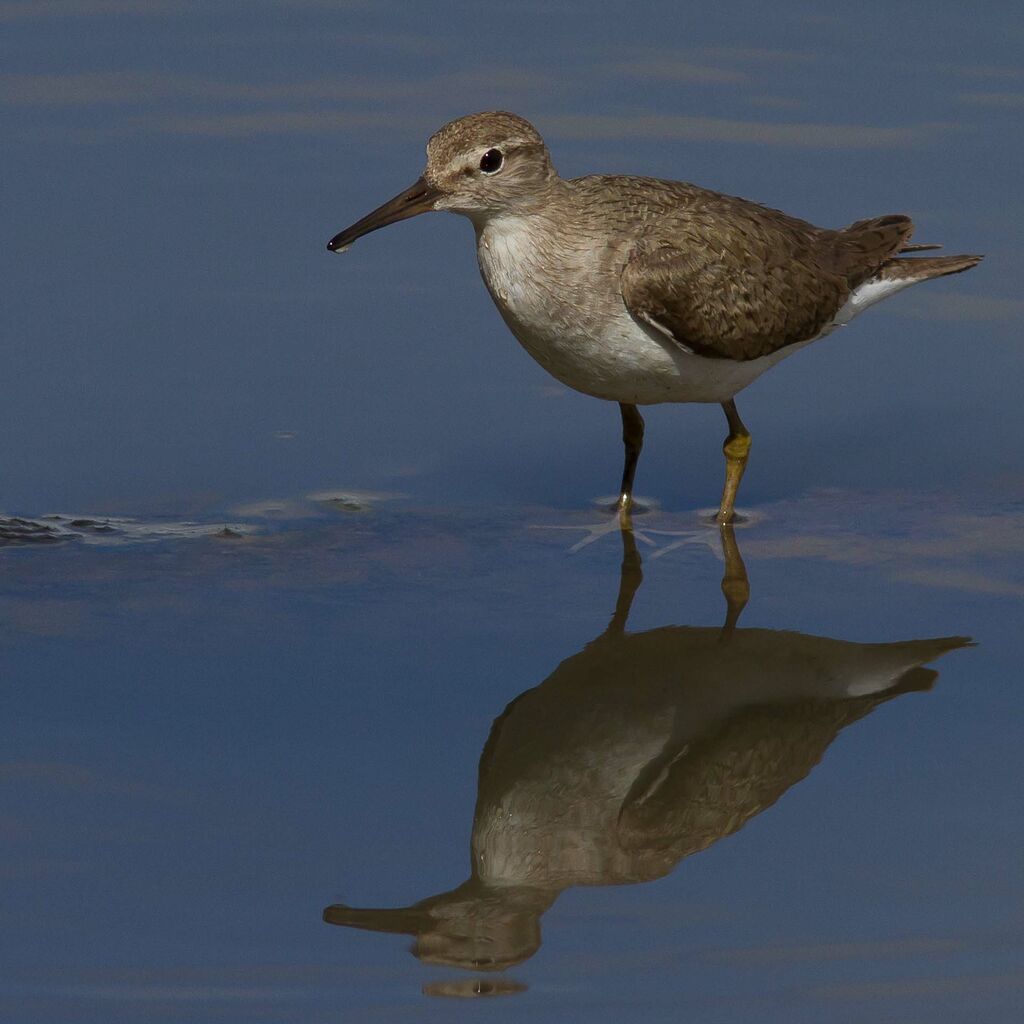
x,y
732,280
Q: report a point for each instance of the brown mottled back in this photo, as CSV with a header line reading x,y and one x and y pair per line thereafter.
x,y
728,278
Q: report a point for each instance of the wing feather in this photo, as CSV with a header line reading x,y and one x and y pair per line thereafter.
x,y
729,279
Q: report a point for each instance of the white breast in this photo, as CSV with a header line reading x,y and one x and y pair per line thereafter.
x,y
510,261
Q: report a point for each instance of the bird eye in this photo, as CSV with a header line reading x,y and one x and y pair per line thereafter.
x,y
491,161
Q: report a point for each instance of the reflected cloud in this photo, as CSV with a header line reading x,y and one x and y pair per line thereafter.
x,y
179,104
959,307
266,123
638,751
707,64
1012,100
424,43
401,104
776,102
759,54
936,545
986,71
40,868
977,984
74,777
125,87
24,10
710,129
677,71
887,949
965,580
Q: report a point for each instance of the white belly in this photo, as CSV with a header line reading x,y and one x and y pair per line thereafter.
x,y
625,363
580,331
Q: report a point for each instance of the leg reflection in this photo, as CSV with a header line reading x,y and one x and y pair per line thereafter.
x,y
735,585
631,575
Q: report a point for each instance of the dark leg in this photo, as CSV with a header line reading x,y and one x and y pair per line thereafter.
x,y
737,450
633,439
631,575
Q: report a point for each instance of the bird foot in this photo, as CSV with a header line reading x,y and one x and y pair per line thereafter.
x,y
715,518
626,504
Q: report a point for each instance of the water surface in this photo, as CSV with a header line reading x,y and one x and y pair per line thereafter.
x,y
590,777
307,598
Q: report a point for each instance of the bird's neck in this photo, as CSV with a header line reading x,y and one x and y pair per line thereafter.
x,y
539,203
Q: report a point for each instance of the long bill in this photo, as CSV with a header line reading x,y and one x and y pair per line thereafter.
x,y
419,197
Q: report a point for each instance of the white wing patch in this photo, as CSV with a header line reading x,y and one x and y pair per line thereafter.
x,y
867,294
661,329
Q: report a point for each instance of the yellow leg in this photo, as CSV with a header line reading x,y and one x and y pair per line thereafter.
x,y
633,439
737,451
735,585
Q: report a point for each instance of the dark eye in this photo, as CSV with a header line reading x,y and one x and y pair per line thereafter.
x,y
491,161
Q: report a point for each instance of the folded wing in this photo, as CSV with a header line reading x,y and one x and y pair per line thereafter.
x,y
729,279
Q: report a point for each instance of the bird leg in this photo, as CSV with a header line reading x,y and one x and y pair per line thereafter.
x,y
737,450
633,439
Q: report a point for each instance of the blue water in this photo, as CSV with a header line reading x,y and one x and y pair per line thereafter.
x,y
308,593
213,738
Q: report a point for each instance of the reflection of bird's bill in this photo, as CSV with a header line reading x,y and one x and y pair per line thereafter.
x,y
474,927
397,920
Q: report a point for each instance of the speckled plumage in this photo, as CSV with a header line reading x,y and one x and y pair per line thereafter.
x,y
724,277
733,280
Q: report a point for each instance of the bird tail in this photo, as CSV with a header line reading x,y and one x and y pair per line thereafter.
x,y
866,245
920,268
874,250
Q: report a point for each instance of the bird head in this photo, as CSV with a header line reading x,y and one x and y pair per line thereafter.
x,y
477,165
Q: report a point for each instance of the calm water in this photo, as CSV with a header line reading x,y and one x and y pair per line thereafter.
x,y
452,715
308,600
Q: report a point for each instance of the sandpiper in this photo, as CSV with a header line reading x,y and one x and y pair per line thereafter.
x,y
638,290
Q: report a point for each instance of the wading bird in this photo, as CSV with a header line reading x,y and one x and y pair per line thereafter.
x,y
641,291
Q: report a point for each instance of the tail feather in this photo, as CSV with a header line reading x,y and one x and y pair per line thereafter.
x,y
863,247
924,267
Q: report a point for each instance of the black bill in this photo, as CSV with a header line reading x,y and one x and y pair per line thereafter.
x,y
419,197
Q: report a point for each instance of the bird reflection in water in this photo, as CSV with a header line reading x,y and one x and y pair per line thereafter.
x,y
640,750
